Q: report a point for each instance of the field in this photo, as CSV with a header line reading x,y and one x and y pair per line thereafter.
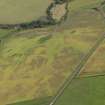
x,y
36,62
95,65
84,91
17,11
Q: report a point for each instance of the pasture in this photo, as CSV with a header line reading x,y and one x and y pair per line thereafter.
x,y
84,91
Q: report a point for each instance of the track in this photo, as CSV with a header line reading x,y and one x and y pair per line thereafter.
x,y
77,70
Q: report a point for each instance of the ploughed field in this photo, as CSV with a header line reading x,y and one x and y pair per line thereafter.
x,y
35,63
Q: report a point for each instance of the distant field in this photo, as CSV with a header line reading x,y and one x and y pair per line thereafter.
x,y
84,91
17,11
84,4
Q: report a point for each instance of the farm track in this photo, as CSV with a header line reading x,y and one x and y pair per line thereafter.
x,y
79,67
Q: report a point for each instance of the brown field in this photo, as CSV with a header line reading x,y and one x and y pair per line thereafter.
x,y
96,64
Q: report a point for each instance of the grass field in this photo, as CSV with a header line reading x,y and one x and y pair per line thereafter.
x,y
84,91
17,11
34,65
36,62
96,64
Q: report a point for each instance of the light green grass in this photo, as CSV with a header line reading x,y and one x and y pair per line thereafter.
x,y
5,33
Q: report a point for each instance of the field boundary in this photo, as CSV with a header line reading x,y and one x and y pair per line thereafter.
x,y
89,76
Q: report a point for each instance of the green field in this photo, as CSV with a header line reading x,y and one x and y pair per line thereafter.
x,y
36,62
84,91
